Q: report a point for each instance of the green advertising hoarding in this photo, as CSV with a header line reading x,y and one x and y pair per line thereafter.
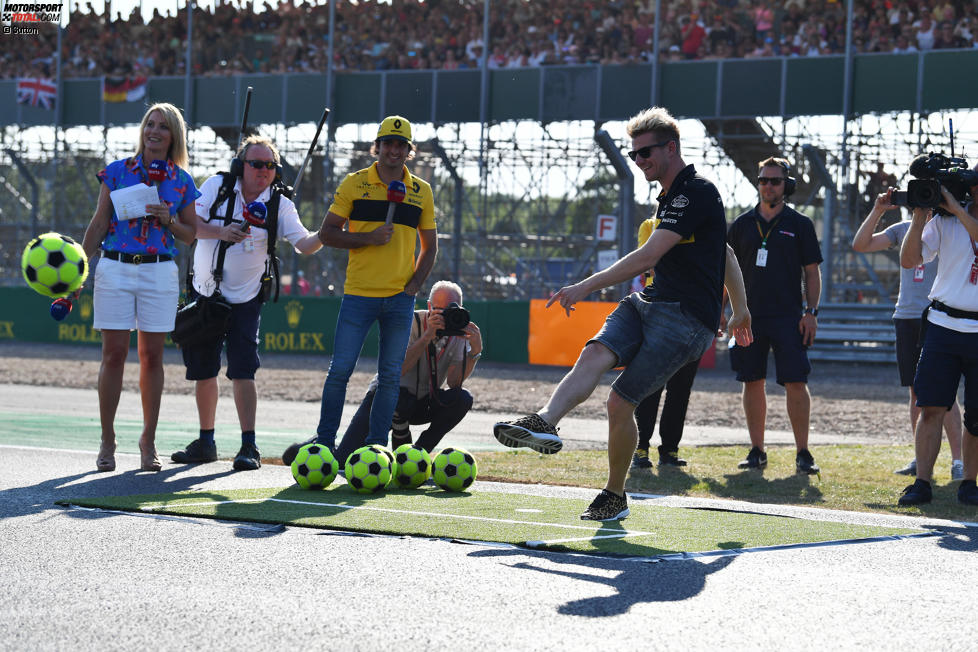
x,y
291,325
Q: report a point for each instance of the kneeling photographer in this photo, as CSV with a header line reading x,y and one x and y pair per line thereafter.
x,y
950,338
443,349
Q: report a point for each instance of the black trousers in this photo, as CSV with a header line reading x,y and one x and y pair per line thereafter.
x,y
442,413
677,391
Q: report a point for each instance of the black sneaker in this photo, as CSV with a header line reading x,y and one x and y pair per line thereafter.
x,y
805,463
607,506
196,452
640,459
968,492
248,458
756,459
289,455
530,431
919,493
670,458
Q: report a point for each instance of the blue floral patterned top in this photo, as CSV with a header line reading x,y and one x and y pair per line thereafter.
x,y
145,236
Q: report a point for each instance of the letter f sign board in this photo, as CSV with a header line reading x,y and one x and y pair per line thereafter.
x,y
607,228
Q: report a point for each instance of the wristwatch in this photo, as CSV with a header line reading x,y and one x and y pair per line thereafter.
x,y
476,356
812,311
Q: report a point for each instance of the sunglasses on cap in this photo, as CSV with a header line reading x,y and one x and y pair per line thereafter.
x,y
646,151
774,181
258,165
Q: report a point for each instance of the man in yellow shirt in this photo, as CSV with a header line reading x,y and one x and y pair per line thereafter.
x,y
382,275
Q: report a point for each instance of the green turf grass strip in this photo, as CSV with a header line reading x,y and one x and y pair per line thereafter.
x,y
525,520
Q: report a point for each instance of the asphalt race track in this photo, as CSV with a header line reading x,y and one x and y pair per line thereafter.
x,y
81,579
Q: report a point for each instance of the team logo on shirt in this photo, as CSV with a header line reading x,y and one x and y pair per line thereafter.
x,y
680,201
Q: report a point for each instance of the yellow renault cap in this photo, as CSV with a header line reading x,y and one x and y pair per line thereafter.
x,y
395,127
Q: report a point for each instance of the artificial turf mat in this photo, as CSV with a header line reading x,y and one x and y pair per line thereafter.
x,y
519,519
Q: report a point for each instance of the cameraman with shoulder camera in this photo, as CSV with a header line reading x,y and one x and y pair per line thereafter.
x,y
950,347
444,347
912,299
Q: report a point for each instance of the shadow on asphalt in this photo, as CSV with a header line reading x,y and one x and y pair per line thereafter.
x,y
33,499
634,581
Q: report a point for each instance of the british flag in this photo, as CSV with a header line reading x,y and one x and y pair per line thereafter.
x,y
37,91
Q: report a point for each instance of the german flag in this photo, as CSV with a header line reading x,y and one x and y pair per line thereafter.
x,y
123,89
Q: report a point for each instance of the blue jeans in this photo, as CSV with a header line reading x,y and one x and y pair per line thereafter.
x,y
357,315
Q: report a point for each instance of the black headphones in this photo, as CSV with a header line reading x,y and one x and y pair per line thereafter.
x,y
790,183
236,169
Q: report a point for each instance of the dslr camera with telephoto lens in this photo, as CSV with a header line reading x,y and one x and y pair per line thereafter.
x,y
932,172
456,319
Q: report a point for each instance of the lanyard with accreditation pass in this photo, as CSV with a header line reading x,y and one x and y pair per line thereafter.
x,y
973,277
762,252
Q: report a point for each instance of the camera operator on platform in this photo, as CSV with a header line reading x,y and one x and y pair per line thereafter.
x,y
444,347
950,340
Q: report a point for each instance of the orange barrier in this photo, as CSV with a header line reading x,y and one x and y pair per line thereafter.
x,y
557,339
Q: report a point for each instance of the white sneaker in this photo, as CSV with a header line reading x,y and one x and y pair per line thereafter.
x,y
909,469
957,470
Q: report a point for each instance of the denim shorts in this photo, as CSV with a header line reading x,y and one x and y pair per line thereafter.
x,y
203,360
947,355
652,340
781,335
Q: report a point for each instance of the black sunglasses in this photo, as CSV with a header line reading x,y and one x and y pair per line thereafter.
x,y
646,151
255,163
774,181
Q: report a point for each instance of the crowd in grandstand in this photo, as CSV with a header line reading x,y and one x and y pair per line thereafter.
x,y
447,34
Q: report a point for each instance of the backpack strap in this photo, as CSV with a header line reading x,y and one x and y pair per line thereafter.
x,y
271,225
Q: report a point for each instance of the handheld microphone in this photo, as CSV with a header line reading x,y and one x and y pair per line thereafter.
x,y
157,171
396,192
60,308
254,214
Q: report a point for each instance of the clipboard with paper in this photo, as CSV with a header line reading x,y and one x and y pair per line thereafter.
x,y
130,203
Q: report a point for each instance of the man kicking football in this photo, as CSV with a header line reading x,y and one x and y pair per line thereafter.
x,y
655,332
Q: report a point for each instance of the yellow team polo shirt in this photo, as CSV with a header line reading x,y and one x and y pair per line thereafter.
x,y
382,271
645,230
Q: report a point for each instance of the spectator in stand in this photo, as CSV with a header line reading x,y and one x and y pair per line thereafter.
x,y
925,32
763,17
693,34
903,45
946,38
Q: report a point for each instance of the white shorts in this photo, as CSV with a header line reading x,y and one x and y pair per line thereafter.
x,y
136,297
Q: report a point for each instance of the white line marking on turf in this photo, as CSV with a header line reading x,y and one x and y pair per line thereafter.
x,y
617,533
529,511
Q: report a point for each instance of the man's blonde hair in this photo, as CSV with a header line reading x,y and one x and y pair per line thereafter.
x,y
178,133
657,120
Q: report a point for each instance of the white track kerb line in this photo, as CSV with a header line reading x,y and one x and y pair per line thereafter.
x,y
609,533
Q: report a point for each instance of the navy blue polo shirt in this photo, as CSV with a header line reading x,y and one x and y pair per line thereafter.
x,y
691,272
774,290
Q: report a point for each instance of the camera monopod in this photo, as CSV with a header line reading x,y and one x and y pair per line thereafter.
x,y
237,165
312,146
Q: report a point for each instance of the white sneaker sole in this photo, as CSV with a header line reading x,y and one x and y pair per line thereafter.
x,y
513,436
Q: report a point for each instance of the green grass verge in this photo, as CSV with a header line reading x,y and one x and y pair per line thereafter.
x,y
857,478
519,519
